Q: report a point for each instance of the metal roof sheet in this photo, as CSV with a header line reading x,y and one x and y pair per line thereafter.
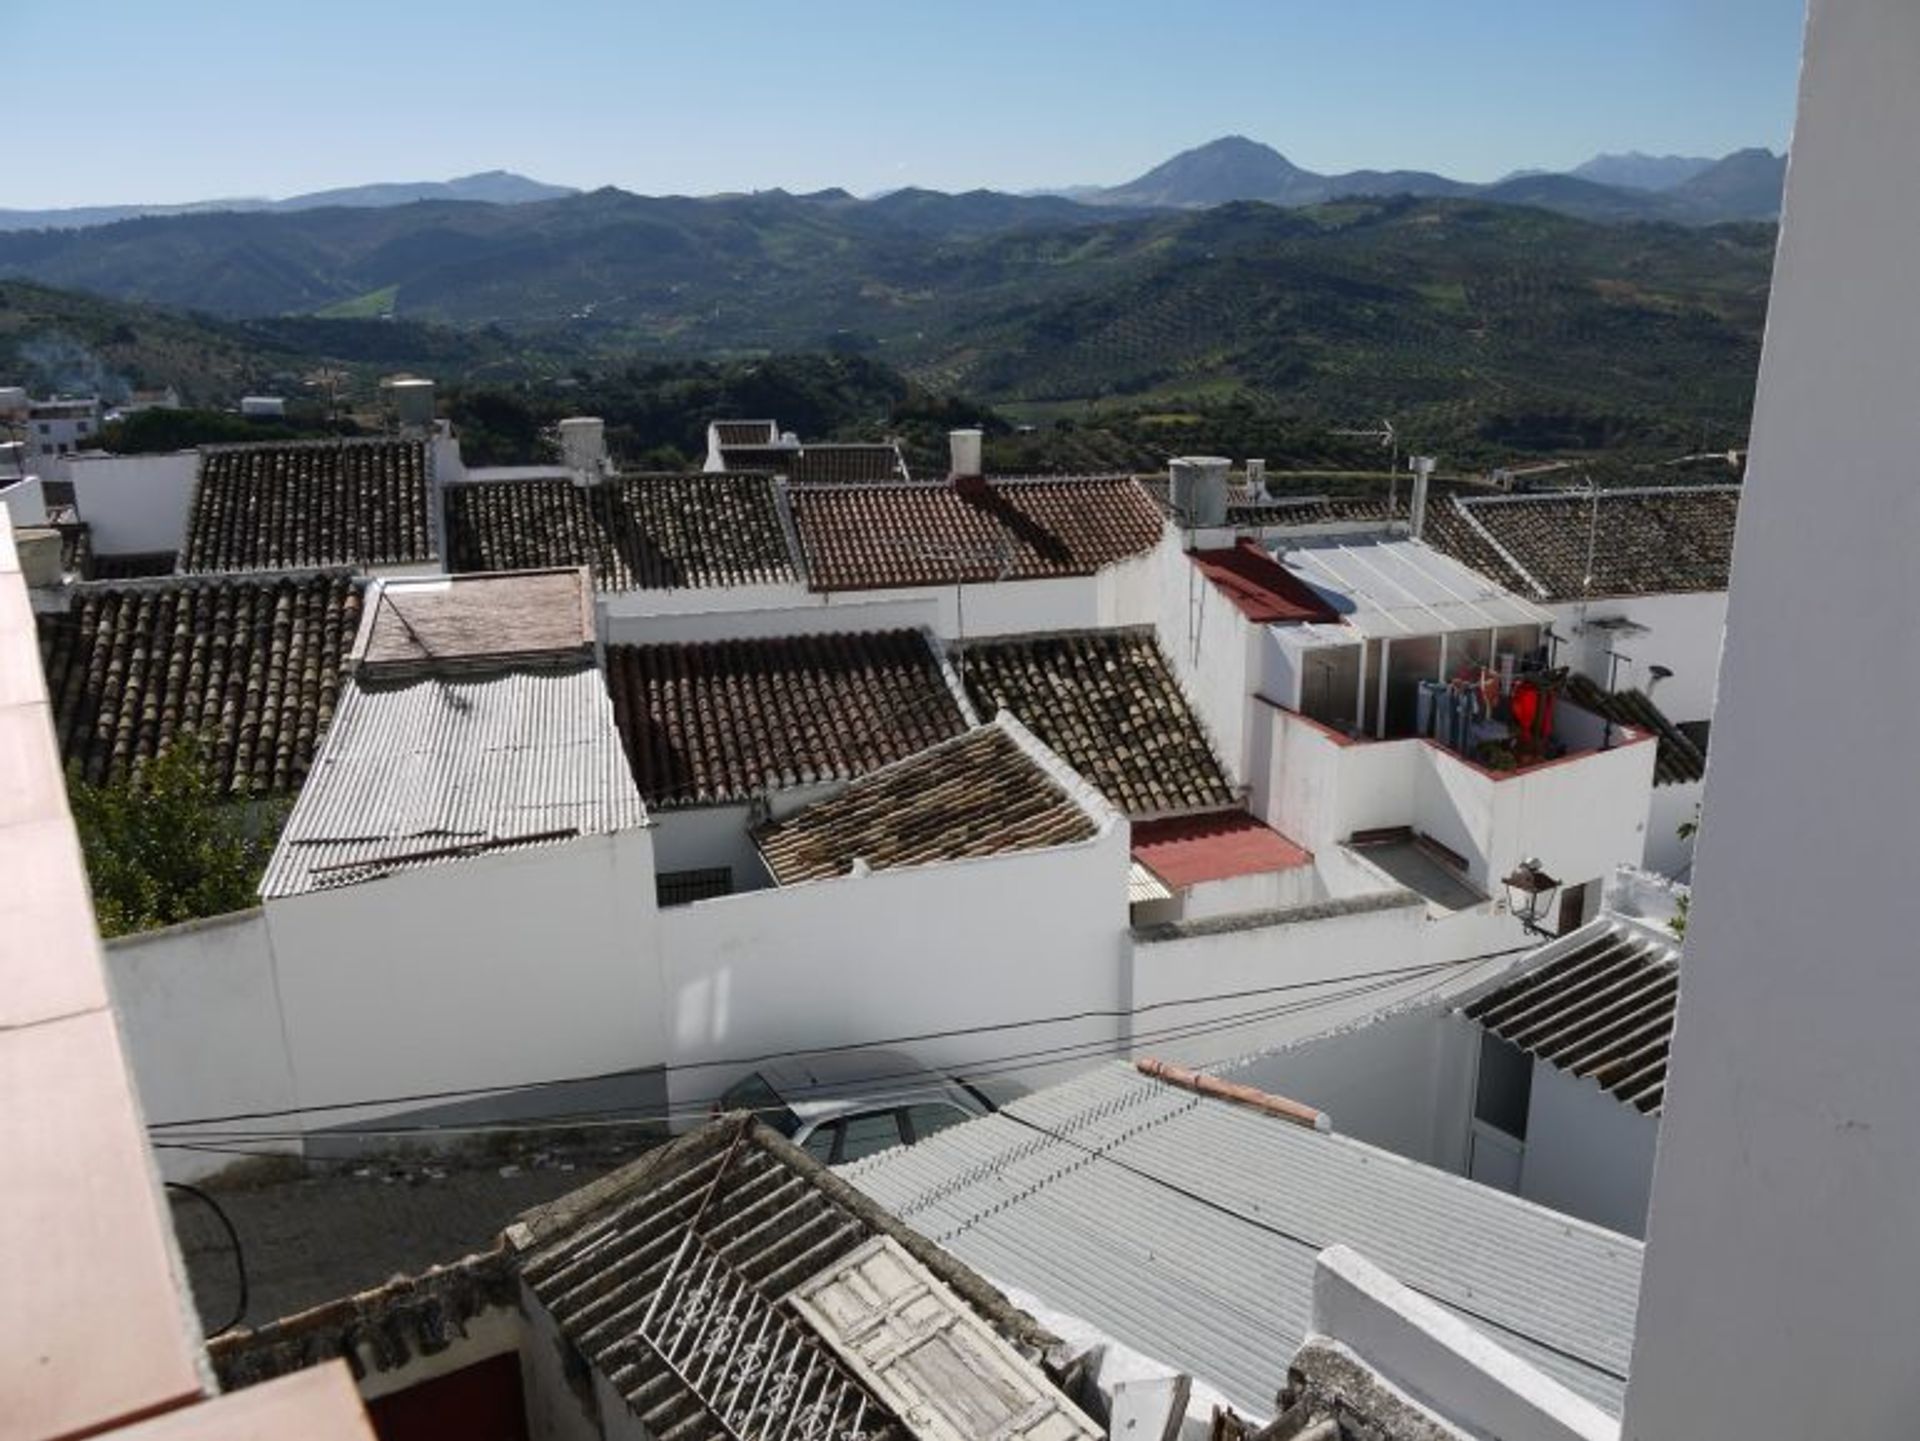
x,y
443,768
1186,1228
1389,586
1602,1008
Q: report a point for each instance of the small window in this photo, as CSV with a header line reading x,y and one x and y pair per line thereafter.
x,y
45,428
867,1135
679,888
927,1120
85,426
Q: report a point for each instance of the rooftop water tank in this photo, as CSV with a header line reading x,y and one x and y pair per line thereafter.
x,y
1197,486
583,447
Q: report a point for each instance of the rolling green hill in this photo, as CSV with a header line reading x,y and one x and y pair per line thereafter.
x,y
1476,325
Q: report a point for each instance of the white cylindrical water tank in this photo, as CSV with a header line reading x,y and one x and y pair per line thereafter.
x,y
1197,486
965,445
583,445
413,403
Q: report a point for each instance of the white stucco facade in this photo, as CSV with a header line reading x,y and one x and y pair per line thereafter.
x,y
492,972
1781,1292
1580,816
904,953
1124,594
135,503
1681,632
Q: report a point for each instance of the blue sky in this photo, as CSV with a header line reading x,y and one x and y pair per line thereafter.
x,y
136,101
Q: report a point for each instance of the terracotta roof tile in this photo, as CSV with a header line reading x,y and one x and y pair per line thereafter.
x,y
254,664
1313,510
866,537
1648,542
980,794
1106,702
638,532
721,721
312,503
827,464
746,432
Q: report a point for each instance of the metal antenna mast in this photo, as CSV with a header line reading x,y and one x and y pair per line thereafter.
x,y
1389,440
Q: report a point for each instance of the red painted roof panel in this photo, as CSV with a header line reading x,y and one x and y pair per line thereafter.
x,y
1264,590
1187,850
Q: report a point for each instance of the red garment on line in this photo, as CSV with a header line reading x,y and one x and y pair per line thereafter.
x,y
1526,706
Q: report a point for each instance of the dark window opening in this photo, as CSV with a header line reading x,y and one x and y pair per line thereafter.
x,y
680,888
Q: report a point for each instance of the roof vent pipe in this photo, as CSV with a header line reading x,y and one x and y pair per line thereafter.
x,y
1197,486
1422,468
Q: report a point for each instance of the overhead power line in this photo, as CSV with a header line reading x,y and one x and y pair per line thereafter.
x,y
1355,984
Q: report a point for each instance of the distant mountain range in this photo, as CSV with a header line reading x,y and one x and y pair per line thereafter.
x,y
1688,190
492,187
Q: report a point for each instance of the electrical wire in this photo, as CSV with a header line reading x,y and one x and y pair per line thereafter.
x,y
763,1058
1282,1233
937,1082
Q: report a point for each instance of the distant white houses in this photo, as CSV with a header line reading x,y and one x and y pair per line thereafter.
x,y
752,651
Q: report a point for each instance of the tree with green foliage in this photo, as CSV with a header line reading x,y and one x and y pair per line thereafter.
x,y
167,844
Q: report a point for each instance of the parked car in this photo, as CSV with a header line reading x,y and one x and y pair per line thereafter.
x,y
848,1104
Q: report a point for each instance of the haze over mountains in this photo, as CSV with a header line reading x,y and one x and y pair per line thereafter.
x,y
1693,190
492,187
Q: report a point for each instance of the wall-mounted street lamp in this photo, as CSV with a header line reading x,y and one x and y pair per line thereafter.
x,y
1530,892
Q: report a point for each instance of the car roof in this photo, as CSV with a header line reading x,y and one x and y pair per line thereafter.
x,y
819,1087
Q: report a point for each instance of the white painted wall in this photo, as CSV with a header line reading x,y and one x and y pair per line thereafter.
x,y
1293,977
707,836
1683,634
1442,1361
495,971
1401,1080
134,503
1265,891
899,953
1214,651
1580,816
1588,1153
1667,809
1781,1293
25,502
200,1015
1121,595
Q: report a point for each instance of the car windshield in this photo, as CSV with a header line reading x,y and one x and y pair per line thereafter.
x,y
752,1093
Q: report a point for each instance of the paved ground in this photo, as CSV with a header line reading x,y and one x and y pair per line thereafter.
x,y
330,1233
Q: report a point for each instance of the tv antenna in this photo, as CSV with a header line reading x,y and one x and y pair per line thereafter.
x,y
1389,440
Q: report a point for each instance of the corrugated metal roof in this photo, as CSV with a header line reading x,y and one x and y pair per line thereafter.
x,y
443,768
1602,1009
1187,1227
1388,587
1144,885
